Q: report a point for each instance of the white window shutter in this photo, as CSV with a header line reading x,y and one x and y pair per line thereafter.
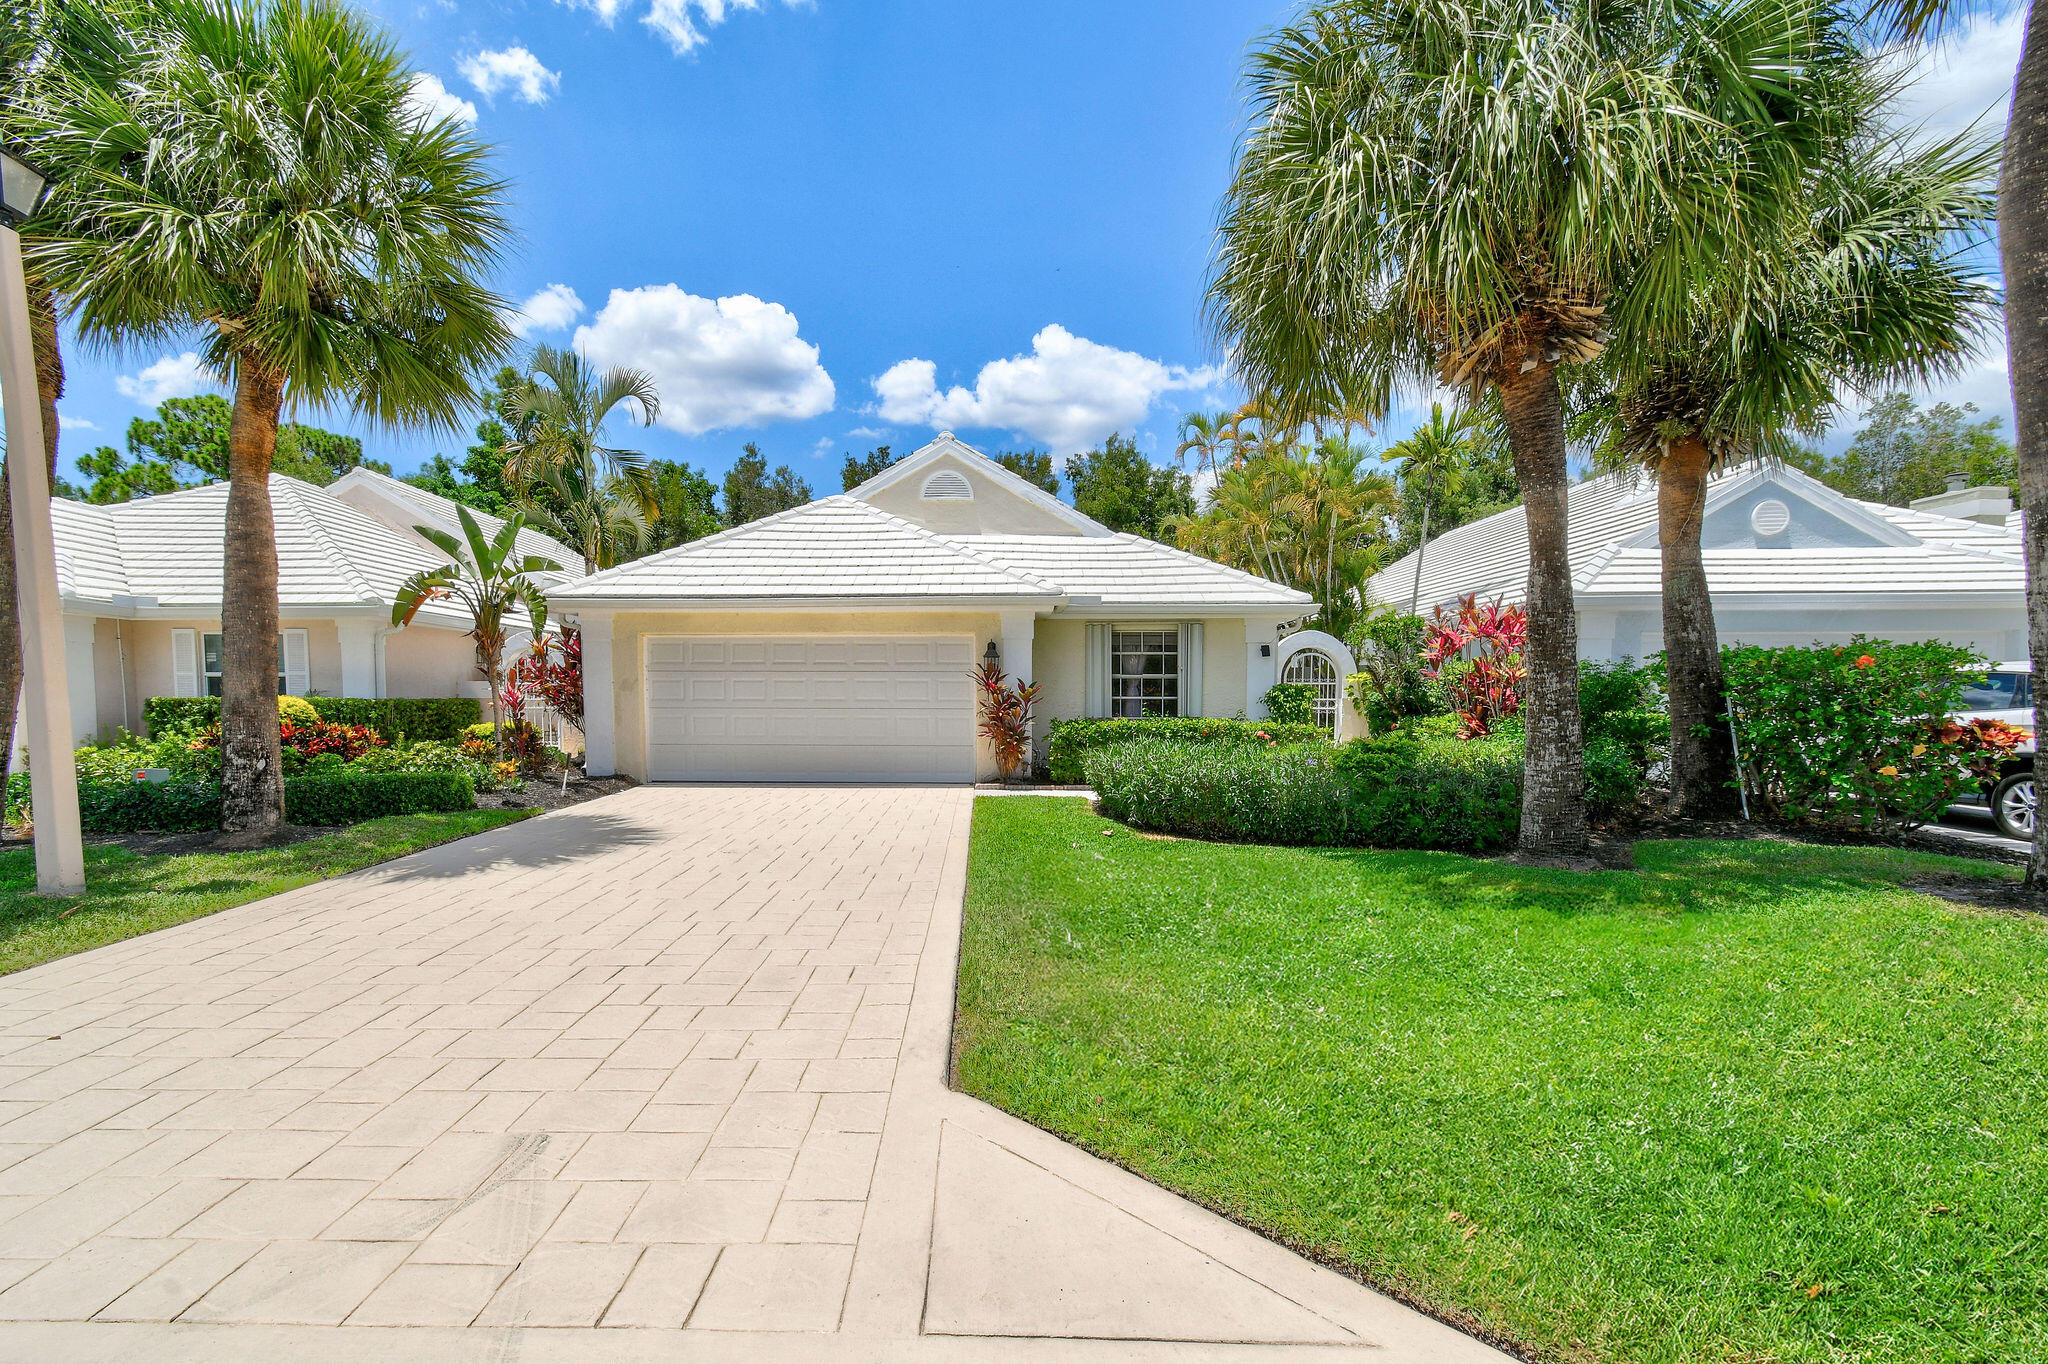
x,y
1191,668
1098,670
184,663
297,667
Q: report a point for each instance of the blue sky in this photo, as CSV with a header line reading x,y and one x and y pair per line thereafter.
x,y
829,225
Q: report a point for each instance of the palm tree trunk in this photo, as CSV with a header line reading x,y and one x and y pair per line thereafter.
x,y
1702,764
42,326
2023,246
252,775
1554,767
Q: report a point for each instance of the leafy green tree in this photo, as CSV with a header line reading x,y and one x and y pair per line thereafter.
x,y
686,505
1033,466
186,445
1904,451
262,180
855,472
751,492
1116,485
1483,195
479,480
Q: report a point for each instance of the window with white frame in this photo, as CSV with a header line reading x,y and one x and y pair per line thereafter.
x,y
1315,668
1144,673
291,663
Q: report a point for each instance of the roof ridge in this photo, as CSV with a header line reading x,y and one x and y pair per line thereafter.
x,y
1204,560
704,541
986,561
296,489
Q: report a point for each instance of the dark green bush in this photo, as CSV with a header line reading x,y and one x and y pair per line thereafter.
x,y
1622,703
1389,686
439,718
1073,740
349,798
120,807
1291,703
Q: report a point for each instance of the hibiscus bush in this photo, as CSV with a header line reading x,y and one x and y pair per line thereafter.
x,y
1862,733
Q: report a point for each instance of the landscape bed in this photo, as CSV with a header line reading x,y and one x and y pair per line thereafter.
x,y
1750,1101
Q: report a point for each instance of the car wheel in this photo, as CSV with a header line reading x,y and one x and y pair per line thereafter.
x,y
2013,802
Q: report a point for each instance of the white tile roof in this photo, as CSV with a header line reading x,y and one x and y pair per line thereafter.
x,y
442,514
1612,542
163,553
832,548
1131,569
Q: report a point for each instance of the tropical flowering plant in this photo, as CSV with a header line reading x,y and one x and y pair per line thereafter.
x,y
1475,656
1006,712
1864,732
551,672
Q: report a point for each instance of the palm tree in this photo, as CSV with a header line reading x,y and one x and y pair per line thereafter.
x,y
1483,195
261,177
558,416
593,512
490,579
1432,456
1867,289
1205,437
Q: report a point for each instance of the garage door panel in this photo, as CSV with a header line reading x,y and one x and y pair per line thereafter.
x,y
843,708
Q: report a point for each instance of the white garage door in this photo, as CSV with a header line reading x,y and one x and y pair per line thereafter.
x,y
826,708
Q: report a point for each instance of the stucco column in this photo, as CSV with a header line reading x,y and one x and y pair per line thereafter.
x,y
46,703
1261,669
358,657
1019,628
600,705
80,684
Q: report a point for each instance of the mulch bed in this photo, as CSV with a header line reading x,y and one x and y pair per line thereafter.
x,y
548,793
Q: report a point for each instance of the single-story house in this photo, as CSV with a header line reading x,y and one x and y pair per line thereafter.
x,y
835,641
140,586
1789,561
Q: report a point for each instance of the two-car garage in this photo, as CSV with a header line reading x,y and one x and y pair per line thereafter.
x,y
853,708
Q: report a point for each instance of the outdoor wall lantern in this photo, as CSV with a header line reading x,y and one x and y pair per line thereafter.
x,y
21,190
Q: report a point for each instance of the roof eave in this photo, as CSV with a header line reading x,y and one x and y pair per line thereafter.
x,y
565,603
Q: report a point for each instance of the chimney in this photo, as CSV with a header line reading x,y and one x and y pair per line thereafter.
x,y
1957,482
1990,505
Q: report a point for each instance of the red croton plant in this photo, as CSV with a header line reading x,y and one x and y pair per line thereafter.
x,y
1476,655
1006,716
551,672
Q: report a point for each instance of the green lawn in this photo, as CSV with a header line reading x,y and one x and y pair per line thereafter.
x,y
128,894
1750,1102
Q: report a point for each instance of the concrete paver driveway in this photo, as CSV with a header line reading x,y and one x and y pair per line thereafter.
x,y
661,1076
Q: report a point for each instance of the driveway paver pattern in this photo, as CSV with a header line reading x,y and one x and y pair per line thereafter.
x,y
668,1062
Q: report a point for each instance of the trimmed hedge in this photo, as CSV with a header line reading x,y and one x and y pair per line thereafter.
x,y
352,798
439,718
120,807
1073,740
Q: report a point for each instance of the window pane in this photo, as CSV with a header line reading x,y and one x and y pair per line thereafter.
x,y
1144,677
1999,691
210,650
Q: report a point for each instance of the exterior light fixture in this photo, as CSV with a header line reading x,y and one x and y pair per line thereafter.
x,y
22,187
992,654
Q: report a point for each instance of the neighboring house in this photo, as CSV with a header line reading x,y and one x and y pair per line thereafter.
x,y
1789,561
835,641
399,504
140,585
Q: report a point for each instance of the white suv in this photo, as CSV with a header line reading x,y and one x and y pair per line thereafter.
x,y
2007,693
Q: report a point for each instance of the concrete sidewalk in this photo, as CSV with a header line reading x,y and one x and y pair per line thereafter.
x,y
660,1076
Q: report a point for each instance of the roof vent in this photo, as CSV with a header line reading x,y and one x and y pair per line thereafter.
x,y
1956,482
1770,517
948,483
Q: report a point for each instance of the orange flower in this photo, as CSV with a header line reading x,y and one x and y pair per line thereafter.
x,y
1866,662
1888,770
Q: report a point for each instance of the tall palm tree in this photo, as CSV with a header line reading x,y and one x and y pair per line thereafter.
x,y
261,177
1432,456
558,415
1868,288
490,580
1483,193
593,512
1205,437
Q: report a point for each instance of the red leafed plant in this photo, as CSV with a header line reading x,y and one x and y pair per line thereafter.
x,y
1006,716
550,672
1477,657
349,742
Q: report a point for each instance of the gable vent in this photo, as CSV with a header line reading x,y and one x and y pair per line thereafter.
x,y
948,483
1770,517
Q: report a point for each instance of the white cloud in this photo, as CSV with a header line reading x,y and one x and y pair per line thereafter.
x,y
67,422
514,69
1069,392
549,310
605,10
731,362
174,376
434,102
867,433
682,23
1954,83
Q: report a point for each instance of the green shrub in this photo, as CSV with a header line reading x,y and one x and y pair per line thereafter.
x,y
1291,703
1614,777
1859,732
17,797
163,715
1389,686
120,807
297,710
1623,703
181,752
1073,740
429,756
350,797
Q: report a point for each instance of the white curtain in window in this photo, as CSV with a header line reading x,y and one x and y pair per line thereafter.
x,y
297,663
1191,668
184,663
1098,671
